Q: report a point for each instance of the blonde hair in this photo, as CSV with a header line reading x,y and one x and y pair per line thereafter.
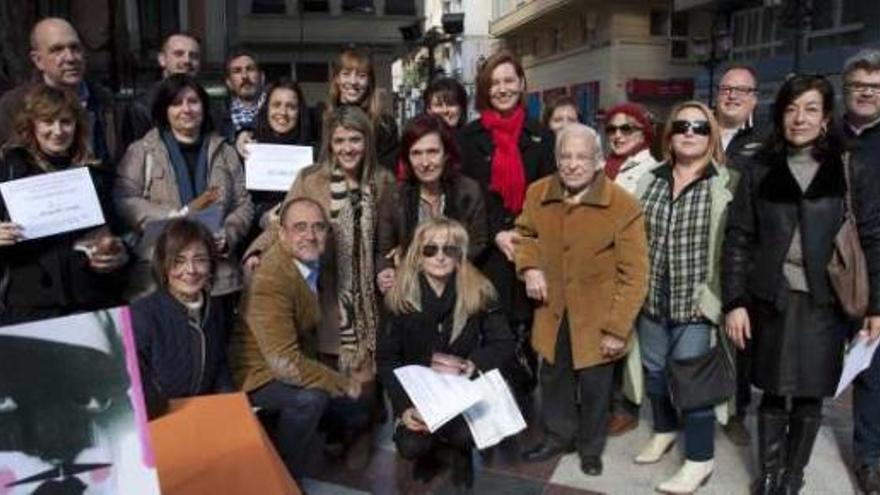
x,y
714,150
474,292
360,60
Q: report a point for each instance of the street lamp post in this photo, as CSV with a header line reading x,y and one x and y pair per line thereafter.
x,y
712,51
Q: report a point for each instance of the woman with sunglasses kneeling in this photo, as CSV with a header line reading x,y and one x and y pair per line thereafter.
x,y
443,315
685,201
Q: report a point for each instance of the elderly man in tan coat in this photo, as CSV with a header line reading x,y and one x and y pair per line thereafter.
x,y
582,252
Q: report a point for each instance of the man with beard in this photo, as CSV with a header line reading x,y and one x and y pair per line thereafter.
x,y
59,58
244,79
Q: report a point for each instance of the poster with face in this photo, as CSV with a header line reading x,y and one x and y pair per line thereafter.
x,y
72,417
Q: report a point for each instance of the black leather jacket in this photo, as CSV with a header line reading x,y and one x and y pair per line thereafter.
x,y
767,208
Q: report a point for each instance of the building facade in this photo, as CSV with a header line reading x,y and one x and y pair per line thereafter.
x,y
300,38
599,52
780,37
458,56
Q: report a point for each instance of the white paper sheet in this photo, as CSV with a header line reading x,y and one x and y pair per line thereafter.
x,y
488,406
53,203
438,397
497,416
274,167
858,358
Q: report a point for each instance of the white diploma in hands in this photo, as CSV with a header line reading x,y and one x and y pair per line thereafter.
x,y
274,167
486,403
857,359
53,203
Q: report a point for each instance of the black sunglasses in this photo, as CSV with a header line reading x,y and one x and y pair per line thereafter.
x,y
700,127
625,129
431,250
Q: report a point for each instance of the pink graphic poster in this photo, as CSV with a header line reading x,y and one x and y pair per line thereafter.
x,y
72,416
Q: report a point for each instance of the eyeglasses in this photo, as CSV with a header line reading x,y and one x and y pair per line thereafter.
x,y
862,88
625,129
315,227
736,90
431,250
700,127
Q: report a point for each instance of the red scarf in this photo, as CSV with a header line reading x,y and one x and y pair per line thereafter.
x,y
614,162
508,174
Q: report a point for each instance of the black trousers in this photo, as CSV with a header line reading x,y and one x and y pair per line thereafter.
x,y
566,421
412,445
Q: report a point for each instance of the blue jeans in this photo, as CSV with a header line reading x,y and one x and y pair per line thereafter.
x,y
866,414
655,339
299,411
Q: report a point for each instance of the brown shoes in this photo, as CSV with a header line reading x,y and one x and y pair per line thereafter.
x,y
620,423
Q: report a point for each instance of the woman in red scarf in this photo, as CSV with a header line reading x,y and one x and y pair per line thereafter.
x,y
505,151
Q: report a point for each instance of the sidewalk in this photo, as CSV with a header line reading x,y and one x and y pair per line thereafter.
x,y
503,473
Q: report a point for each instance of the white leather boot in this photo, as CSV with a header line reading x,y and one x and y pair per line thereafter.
x,y
659,444
689,478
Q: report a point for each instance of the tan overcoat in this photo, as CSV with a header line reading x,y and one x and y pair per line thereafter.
x,y
594,256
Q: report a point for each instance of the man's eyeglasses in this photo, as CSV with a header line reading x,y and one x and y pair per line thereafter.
x,y
736,90
431,250
862,88
625,129
315,227
700,127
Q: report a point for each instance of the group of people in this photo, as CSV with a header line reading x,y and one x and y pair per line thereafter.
x,y
571,260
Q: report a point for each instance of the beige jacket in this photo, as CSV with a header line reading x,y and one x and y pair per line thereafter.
x,y
146,190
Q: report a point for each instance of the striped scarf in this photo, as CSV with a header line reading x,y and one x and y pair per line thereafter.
x,y
678,247
352,215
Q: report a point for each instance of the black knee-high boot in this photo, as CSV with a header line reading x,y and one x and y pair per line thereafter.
x,y
772,426
802,432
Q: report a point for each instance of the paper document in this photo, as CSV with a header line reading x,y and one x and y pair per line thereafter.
x,y
274,167
497,416
53,203
438,397
488,406
858,358
211,217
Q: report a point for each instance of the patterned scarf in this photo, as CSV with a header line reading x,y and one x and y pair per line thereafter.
x,y
243,115
508,174
352,214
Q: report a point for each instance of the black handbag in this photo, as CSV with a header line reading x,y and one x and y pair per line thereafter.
x,y
701,381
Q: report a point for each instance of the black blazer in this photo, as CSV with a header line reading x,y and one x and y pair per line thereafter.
x,y
485,339
179,359
767,207
536,149
46,277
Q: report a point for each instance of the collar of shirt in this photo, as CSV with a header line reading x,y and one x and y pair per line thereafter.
x,y
305,269
858,130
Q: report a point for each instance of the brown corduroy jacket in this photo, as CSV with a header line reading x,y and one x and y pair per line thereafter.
x,y
594,257
274,338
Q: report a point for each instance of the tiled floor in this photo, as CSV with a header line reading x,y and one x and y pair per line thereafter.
x,y
501,472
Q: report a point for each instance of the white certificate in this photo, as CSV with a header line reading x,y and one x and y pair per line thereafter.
x,y
53,203
274,167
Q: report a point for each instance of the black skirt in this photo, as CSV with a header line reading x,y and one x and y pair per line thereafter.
x,y
798,351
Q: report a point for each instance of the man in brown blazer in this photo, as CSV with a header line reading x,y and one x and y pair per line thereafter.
x,y
582,253
273,347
